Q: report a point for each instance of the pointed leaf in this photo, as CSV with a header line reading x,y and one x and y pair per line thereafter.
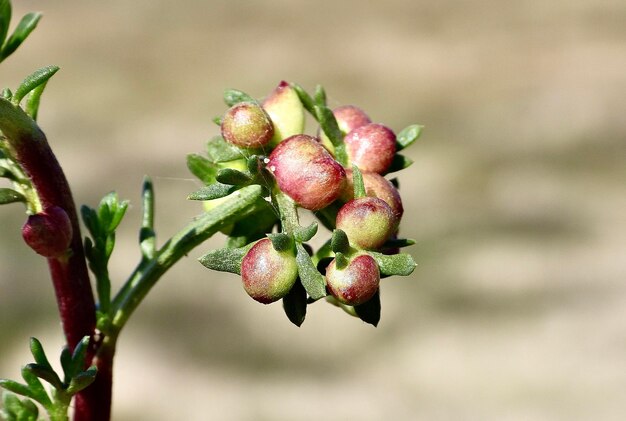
x,y
46,374
5,19
225,260
399,162
10,196
305,98
15,387
369,311
232,177
33,101
78,357
398,242
37,391
38,353
219,150
23,29
339,242
396,264
294,304
202,168
320,95
82,380
281,241
234,96
212,191
408,136
304,234
313,282
34,80
66,364
357,180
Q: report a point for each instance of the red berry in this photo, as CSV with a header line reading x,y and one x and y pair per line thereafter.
x,y
356,283
371,147
286,112
247,125
376,186
267,274
349,117
306,172
48,233
368,222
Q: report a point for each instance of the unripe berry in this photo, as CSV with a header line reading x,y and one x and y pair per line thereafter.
x,y
376,186
49,233
368,222
306,172
349,117
247,125
356,283
286,112
267,274
371,147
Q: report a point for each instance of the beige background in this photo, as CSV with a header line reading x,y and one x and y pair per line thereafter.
x,y
516,200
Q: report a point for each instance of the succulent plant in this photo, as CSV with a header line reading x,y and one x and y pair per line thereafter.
x,y
356,282
247,125
371,147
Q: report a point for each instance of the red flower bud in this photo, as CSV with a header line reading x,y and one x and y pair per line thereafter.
x,y
368,222
267,274
371,147
349,117
247,125
49,233
306,172
356,283
376,186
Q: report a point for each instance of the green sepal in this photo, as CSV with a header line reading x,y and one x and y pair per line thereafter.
x,y
21,32
312,280
45,373
396,264
82,380
339,242
37,391
212,191
369,311
399,162
281,242
294,304
202,168
10,196
32,81
225,259
341,261
219,150
232,177
320,95
5,19
234,96
304,234
357,180
408,136
305,98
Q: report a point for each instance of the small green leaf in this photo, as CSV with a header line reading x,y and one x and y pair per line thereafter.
x,y
5,19
305,98
369,311
408,136
66,364
281,242
21,32
320,95
294,304
217,120
37,391
234,96
202,168
90,219
34,80
6,93
38,353
396,264
225,259
339,242
313,282
399,162
33,101
212,191
78,357
10,196
82,380
15,387
341,261
45,373
219,150
304,234
328,123
357,180
398,242
30,410
232,177
12,406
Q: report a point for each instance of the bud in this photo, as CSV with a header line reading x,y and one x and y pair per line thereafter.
x,y
349,117
306,172
267,274
376,186
247,125
368,222
49,233
371,147
286,112
356,283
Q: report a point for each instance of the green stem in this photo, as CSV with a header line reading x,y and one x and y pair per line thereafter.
x,y
289,221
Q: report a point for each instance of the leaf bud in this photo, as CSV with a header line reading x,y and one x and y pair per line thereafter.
x,y
48,233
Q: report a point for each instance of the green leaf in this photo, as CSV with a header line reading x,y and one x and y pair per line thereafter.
x,y
37,391
304,234
212,191
320,95
313,282
396,264
21,32
225,259
341,261
232,177
328,123
219,150
90,219
5,19
38,353
202,168
357,180
369,311
12,406
82,380
33,81
294,304
10,196
339,242
281,242
399,162
45,373
66,364
305,98
33,101
15,387
78,357
6,92
398,242
234,96
30,410
408,136
217,120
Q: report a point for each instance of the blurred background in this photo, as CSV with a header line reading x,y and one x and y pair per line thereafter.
x,y
516,198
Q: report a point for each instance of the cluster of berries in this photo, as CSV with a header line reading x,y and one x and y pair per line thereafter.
x,y
338,174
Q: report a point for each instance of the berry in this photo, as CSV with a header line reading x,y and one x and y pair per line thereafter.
x,y
368,222
247,125
306,172
356,283
349,117
48,233
371,147
267,274
376,186
286,112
